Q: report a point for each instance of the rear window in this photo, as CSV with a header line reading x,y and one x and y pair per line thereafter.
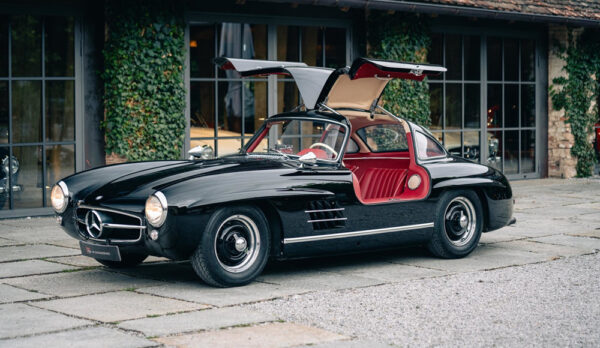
x,y
384,137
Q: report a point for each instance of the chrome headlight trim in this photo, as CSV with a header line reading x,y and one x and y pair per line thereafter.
x,y
60,208
156,220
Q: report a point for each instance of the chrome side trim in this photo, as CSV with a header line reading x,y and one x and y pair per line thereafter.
x,y
324,220
324,210
122,226
356,233
368,158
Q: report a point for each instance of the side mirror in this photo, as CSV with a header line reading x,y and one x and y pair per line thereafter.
x,y
201,152
308,158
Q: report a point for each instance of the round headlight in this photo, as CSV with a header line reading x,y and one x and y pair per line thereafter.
x,y
414,181
59,197
156,209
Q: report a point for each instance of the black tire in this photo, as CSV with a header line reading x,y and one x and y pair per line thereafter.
x,y
222,259
450,238
127,260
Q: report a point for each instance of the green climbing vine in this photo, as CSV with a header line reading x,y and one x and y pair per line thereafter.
x,y
575,92
402,37
144,92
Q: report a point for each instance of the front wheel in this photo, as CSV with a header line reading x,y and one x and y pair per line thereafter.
x,y
458,225
234,247
127,260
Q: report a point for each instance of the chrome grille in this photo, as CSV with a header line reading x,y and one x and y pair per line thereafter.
x,y
103,224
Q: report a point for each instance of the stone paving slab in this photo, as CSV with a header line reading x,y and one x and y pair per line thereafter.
x,y
551,250
584,243
273,335
165,271
317,280
20,320
77,260
30,267
80,283
505,235
90,337
43,235
11,294
590,234
8,242
484,257
219,297
386,271
208,319
38,251
118,306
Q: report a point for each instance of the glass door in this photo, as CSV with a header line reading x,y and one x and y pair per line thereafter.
x,y
37,107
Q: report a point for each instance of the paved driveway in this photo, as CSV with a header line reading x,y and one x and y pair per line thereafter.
x,y
536,283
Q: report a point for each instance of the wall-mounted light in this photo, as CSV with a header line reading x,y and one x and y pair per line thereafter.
x,y
193,43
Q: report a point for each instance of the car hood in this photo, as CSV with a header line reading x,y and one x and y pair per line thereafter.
x,y
130,191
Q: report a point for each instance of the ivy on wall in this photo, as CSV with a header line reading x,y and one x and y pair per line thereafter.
x,y
402,37
575,92
144,94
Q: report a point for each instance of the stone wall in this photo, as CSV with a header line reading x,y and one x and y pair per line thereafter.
x,y
561,163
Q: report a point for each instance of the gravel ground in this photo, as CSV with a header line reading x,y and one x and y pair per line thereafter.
x,y
547,304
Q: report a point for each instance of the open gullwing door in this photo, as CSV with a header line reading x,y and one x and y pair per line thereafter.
x,y
357,87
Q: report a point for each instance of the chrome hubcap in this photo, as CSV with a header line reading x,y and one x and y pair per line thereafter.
x,y
237,243
460,221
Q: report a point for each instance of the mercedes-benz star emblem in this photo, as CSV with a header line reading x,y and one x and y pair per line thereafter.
x,y
93,224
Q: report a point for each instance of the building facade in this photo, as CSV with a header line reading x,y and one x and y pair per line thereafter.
x,y
491,106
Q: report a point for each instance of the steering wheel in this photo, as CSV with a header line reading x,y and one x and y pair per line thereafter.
x,y
326,147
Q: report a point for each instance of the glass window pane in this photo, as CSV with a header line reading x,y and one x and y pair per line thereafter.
x,y
259,39
228,146
26,32
4,181
255,106
230,108
472,105
202,109
494,59
241,40
438,136
471,148
200,142
3,112
495,145
202,50
287,96
29,177
435,54
453,106
511,60
426,147
527,60
435,104
453,57
335,47
472,57
528,151
494,107
452,143
60,162
527,106
511,106
384,138
4,46
26,111
288,43
60,111
312,46
59,55
511,152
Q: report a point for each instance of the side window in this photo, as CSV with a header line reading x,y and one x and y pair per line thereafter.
x,y
352,147
384,137
427,147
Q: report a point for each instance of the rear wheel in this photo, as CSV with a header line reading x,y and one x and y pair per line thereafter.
x,y
458,225
234,247
127,260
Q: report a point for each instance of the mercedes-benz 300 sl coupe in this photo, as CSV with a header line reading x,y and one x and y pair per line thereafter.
x,y
342,175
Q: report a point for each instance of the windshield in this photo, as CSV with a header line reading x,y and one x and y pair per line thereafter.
x,y
294,138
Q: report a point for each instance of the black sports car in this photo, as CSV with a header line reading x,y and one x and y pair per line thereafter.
x,y
344,175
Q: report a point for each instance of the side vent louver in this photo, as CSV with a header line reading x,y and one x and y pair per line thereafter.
x,y
325,215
